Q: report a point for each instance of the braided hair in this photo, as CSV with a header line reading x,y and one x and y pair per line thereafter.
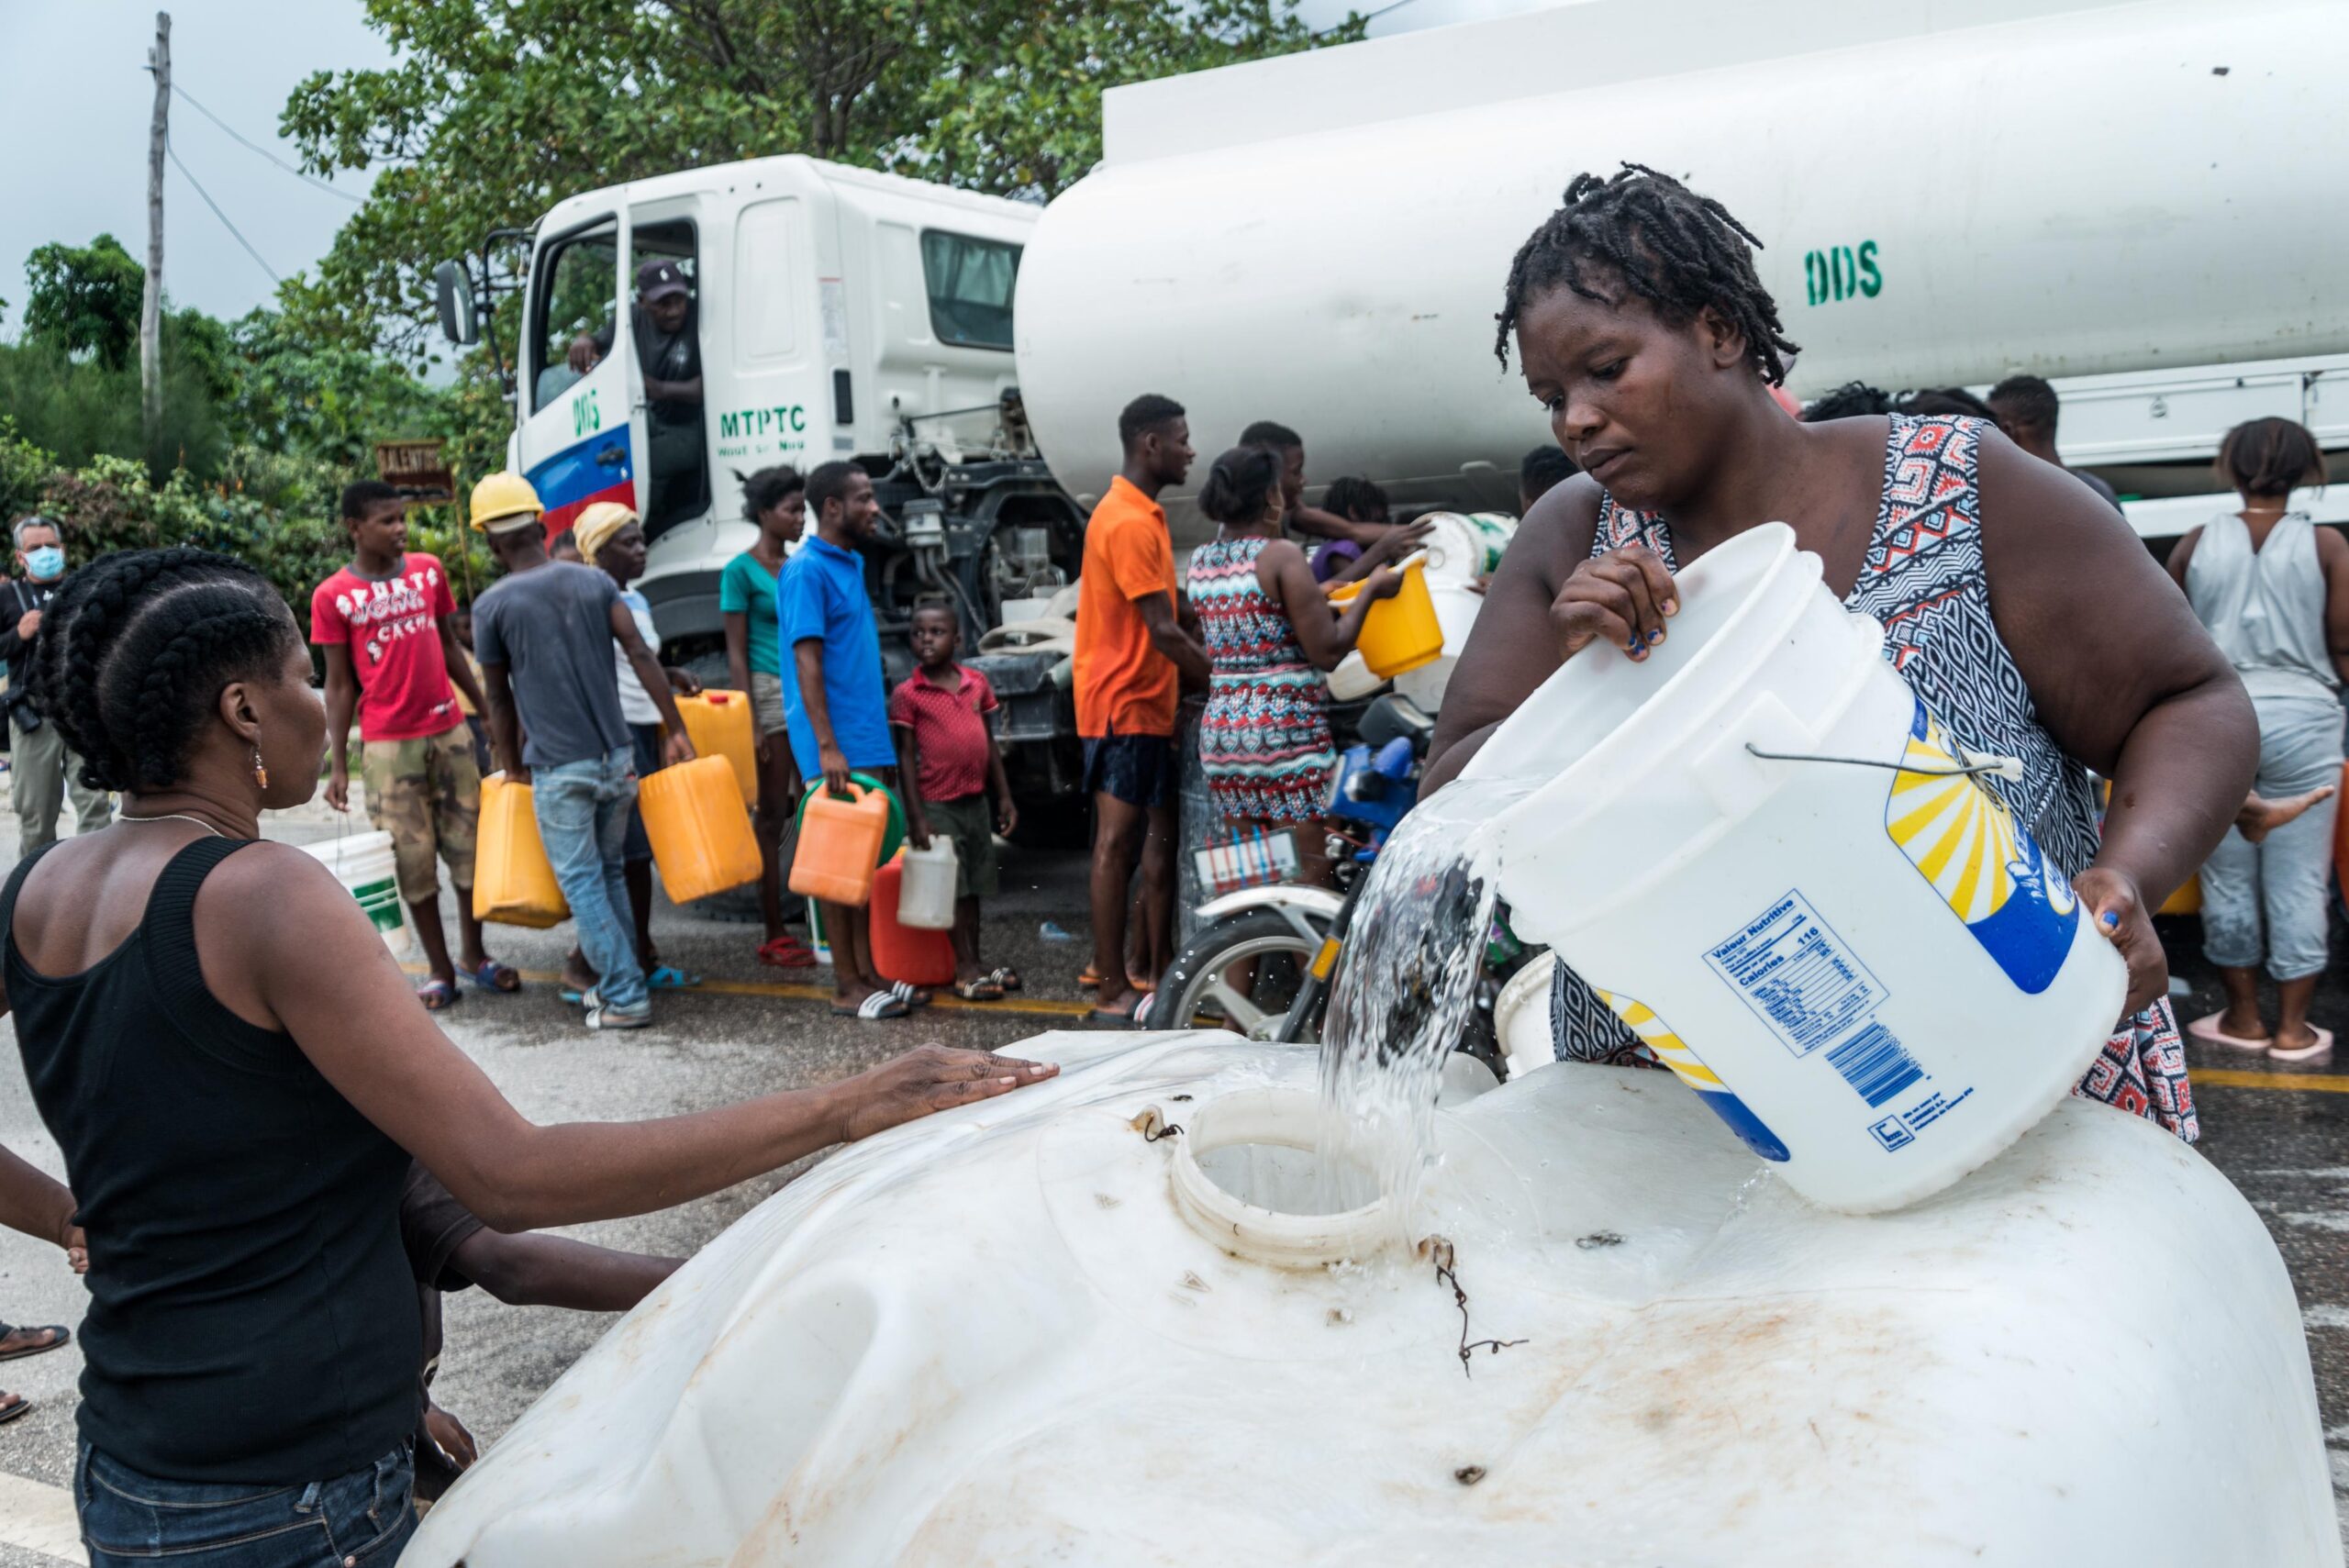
x,y
135,647
1674,248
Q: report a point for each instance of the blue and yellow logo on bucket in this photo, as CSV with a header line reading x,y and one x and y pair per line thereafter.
x,y
1673,1052
1985,866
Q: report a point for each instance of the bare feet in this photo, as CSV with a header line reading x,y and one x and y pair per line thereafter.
x,y
2261,817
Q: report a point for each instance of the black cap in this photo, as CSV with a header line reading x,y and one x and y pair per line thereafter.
x,y
657,280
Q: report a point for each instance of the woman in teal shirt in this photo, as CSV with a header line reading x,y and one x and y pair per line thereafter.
x,y
776,500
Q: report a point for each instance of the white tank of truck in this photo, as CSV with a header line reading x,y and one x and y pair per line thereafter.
x,y
2129,192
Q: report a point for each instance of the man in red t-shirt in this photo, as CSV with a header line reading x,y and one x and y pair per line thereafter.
x,y
390,650
939,716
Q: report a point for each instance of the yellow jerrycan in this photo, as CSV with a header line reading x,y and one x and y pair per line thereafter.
x,y
720,724
701,835
513,884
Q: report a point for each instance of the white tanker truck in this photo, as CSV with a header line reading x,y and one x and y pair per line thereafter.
x,y
2128,198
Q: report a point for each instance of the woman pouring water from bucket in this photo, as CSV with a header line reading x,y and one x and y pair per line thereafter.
x,y
2027,619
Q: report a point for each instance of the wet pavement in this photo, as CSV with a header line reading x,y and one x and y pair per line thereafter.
x,y
2281,1134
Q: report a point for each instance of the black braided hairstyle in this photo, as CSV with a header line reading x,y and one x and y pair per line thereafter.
x,y
138,644
1674,248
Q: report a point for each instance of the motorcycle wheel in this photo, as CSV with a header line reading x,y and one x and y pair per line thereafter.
x,y
1197,979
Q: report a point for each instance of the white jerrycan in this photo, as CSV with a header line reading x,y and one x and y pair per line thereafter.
x,y
1760,847
926,892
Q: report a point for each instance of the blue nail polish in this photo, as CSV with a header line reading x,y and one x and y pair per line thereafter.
x,y
2110,918
1655,637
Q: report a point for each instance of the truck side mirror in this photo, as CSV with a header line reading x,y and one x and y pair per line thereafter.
x,y
453,297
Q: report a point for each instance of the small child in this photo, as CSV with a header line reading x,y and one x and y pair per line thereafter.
x,y
946,751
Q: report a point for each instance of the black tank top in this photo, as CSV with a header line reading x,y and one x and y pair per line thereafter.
x,y
252,1315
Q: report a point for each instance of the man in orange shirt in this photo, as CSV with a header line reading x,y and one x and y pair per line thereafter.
x,y
1132,655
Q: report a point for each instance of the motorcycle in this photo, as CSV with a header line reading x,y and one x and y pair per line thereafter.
x,y
1262,960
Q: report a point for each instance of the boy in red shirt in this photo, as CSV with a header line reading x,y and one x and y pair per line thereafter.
x,y
386,623
947,752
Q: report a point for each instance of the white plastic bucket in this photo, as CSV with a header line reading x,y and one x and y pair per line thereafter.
x,y
1456,607
1460,548
926,889
1872,974
1352,680
363,863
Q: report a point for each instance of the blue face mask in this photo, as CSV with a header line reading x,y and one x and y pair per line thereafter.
x,y
45,562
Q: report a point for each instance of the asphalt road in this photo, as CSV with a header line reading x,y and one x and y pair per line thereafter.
x,y
2282,1135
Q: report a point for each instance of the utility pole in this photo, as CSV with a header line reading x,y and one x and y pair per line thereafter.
x,y
150,305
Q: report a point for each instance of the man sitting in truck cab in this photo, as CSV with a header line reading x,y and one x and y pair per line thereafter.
x,y
667,327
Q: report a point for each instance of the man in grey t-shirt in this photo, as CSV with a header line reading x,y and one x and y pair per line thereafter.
x,y
544,636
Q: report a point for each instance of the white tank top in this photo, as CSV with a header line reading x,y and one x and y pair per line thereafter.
x,y
2265,608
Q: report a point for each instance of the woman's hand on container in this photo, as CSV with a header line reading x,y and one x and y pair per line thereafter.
x,y
1383,583
1620,598
2114,903
930,1078
1395,542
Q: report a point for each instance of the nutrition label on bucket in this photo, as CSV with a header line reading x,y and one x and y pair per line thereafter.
x,y
1794,971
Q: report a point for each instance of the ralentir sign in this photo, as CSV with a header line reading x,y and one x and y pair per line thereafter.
x,y
417,470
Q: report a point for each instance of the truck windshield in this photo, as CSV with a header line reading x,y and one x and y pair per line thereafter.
x,y
970,283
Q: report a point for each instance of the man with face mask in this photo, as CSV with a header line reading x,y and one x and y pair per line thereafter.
x,y
42,772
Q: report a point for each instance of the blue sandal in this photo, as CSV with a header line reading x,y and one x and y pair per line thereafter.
x,y
437,995
492,976
668,977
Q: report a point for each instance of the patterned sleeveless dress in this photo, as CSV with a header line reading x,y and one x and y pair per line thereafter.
x,y
1264,739
1924,578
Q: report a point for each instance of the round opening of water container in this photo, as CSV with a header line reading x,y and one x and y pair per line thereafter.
x,y
1247,1176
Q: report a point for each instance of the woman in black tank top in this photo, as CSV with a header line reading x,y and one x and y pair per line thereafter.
x,y
236,1072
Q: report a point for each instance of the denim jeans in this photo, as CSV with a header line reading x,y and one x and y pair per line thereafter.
x,y
582,811
2271,899
127,1516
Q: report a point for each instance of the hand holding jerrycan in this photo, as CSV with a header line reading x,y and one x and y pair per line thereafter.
x,y
1762,851
839,843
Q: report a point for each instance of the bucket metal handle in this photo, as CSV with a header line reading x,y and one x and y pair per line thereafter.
x,y
1971,762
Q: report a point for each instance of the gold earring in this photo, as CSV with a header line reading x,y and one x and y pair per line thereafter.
x,y
260,772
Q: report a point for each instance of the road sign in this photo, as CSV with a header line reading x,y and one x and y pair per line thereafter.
x,y
417,470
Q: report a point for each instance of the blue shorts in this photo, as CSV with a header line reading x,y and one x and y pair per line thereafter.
x,y
1140,770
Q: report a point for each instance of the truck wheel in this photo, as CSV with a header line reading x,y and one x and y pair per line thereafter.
x,y
1198,989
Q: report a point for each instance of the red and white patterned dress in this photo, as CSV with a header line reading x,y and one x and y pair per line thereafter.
x,y
1265,737
1924,578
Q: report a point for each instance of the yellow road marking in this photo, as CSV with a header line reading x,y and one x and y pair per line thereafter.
x,y
1036,1006
2235,1078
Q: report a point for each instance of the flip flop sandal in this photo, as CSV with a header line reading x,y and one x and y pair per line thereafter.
x,y
64,1337
879,1005
1135,981
2206,1030
2323,1047
669,977
502,978
912,996
980,990
1090,978
11,1411
787,953
1130,1020
492,976
1008,979
437,995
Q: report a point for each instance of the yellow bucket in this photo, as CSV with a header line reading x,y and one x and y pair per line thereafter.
x,y
1401,633
513,884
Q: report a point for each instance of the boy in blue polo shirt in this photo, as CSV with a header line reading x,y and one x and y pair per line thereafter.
x,y
837,709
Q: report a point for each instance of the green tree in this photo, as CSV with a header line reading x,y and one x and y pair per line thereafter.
x,y
497,108
85,300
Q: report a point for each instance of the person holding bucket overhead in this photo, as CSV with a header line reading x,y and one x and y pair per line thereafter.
x,y
182,988
2274,591
838,708
2021,611
612,541
1270,632
544,633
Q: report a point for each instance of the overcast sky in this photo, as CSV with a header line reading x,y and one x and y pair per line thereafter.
x,y
73,78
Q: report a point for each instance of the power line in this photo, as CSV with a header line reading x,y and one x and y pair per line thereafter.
x,y
173,153
255,147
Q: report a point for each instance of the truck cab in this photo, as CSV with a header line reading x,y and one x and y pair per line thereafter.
x,y
830,314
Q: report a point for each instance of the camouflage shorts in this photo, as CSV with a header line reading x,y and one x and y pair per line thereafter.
x,y
426,793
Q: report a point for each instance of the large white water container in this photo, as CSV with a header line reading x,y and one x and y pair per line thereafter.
x,y
926,887
363,863
1461,547
1865,966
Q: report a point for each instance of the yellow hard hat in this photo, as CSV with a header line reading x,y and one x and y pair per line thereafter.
x,y
503,501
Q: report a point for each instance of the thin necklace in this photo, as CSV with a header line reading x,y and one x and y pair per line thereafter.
x,y
170,815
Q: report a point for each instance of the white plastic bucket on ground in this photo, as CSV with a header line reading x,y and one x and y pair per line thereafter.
x,y
926,888
1871,973
363,863
1456,607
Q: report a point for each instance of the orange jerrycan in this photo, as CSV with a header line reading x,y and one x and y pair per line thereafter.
x,y
1399,634
513,884
839,840
910,954
720,724
701,835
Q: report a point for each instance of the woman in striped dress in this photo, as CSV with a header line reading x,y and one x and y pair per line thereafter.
x,y
2019,607
1270,632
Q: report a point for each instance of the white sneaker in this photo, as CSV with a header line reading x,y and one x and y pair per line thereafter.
x,y
602,1015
